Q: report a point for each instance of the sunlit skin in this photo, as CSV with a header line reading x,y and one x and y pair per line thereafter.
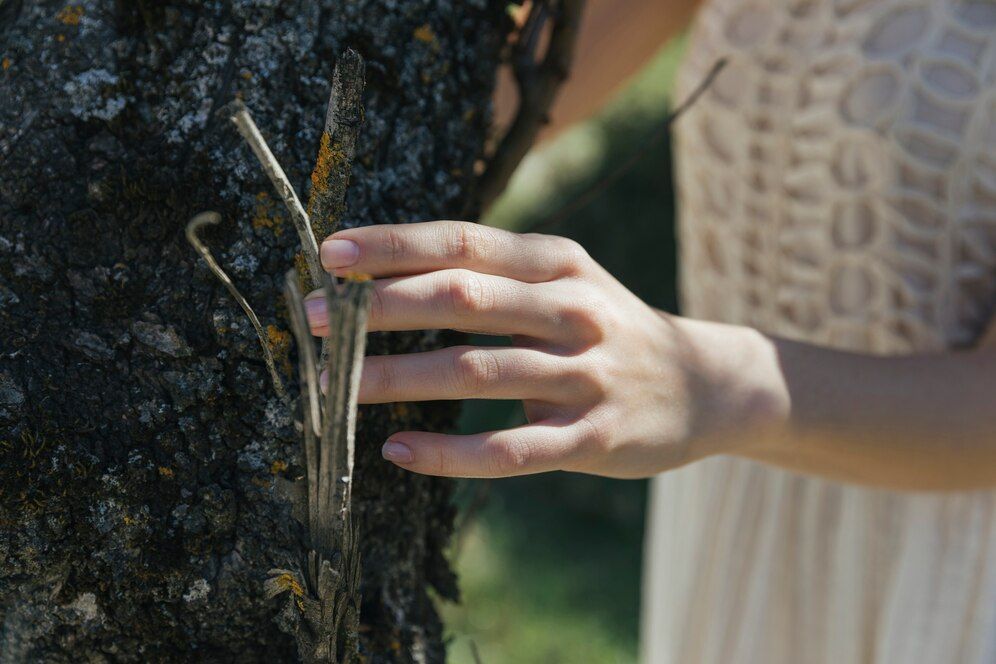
x,y
614,387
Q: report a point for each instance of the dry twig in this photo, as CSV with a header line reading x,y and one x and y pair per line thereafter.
x,y
239,115
193,227
337,149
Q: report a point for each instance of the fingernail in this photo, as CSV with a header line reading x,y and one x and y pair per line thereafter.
x,y
323,381
314,307
339,253
397,452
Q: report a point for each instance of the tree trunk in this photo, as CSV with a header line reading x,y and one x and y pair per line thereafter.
x,y
144,456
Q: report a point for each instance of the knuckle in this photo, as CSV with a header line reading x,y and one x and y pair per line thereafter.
x,y
377,305
476,370
588,317
469,242
573,256
396,246
505,457
468,293
593,435
587,382
441,463
384,378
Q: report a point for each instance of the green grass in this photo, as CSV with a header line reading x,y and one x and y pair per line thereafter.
x,y
550,567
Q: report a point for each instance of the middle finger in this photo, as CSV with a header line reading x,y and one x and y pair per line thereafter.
x,y
456,299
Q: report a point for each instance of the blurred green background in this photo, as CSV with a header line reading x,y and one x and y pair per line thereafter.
x,y
550,565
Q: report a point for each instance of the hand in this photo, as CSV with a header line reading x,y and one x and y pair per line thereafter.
x,y
610,386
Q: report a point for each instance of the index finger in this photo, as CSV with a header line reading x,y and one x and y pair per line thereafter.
x,y
392,250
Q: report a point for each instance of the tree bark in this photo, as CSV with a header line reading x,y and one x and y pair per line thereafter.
x,y
145,459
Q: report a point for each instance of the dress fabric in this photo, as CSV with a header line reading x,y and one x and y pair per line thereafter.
x,y
837,184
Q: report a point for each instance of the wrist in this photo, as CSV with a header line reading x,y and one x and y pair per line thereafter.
x,y
745,402
767,403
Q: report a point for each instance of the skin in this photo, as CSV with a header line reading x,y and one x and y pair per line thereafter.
x,y
614,387
632,31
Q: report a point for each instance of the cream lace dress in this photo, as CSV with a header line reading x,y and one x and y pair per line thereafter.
x,y
837,185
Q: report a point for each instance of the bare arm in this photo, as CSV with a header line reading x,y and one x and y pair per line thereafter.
x,y
918,422
617,38
613,387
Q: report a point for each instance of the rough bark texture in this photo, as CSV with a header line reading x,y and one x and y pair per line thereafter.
x,y
144,457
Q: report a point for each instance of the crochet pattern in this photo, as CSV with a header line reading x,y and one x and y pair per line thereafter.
x,y
838,184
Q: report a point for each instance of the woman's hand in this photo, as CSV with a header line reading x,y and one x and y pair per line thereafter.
x,y
610,386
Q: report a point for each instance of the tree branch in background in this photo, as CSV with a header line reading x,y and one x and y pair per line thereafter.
x,y
538,82
656,138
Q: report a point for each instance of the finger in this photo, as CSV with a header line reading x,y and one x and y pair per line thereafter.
x,y
467,372
533,448
460,300
391,250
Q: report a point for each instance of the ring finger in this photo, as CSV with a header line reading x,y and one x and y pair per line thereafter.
x,y
464,372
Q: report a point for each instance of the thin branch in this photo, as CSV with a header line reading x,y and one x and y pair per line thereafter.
x,y
699,90
659,134
347,309
527,43
310,393
306,349
239,115
193,227
538,85
337,149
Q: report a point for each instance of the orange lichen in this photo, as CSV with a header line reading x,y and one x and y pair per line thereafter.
x,y
425,34
301,266
278,338
400,411
60,38
128,521
287,582
166,471
5,63
330,157
70,15
357,276
280,342
266,214
278,466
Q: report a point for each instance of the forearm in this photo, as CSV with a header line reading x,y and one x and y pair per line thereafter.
x,y
916,422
